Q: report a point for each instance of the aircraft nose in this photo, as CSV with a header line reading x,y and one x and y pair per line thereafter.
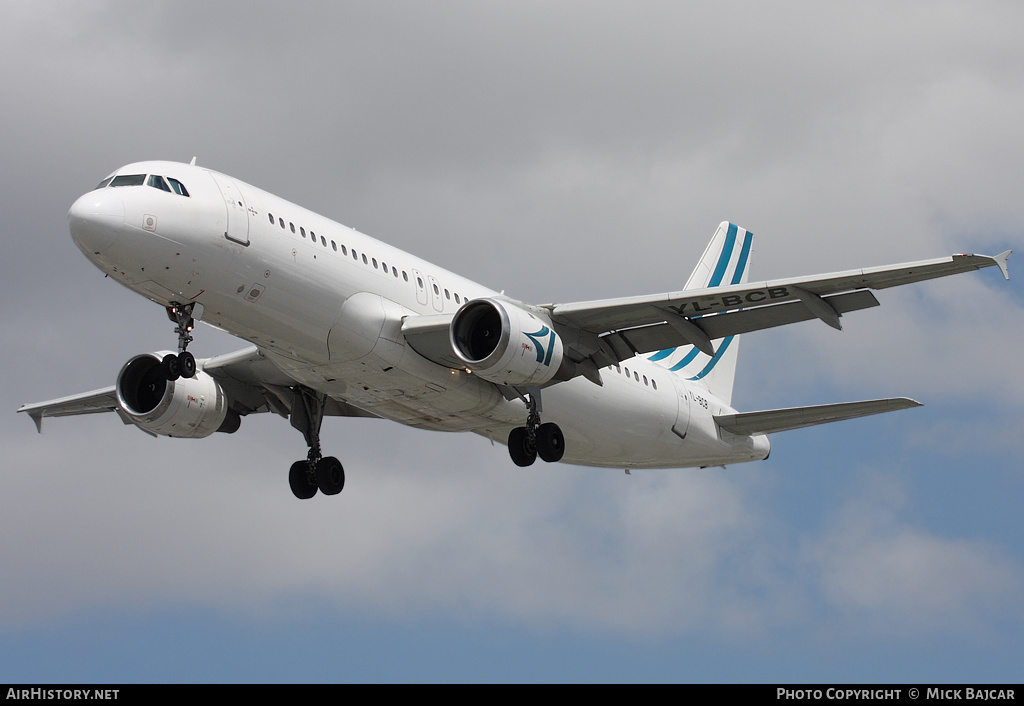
x,y
95,220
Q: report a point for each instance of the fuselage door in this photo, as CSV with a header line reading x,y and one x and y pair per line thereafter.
x,y
435,294
421,287
682,411
237,215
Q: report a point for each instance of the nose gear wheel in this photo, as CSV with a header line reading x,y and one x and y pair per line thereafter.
x,y
184,363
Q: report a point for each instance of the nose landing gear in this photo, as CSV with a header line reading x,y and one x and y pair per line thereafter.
x,y
184,363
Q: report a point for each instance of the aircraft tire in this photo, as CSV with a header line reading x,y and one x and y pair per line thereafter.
x,y
298,479
171,367
519,448
550,442
187,364
330,475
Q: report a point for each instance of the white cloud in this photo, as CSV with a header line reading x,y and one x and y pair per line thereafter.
x,y
883,575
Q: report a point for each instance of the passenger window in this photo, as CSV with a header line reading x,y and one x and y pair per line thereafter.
x,y
394,271
654,383
179,188
292,227
355,255
302,231
374,263
636,376
323,241
457,298
128,180
344,250
437,291
334,246
447,295
281,221
645,380
271,218
365,261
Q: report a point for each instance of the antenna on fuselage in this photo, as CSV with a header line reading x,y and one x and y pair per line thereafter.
x,y
193,162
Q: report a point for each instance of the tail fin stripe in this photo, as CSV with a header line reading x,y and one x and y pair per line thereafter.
x,y
741,266
723,260
714,361
686,360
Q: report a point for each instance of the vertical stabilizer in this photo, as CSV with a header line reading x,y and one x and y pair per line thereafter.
x,y
726,261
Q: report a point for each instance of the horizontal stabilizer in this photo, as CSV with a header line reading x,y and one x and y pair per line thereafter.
x,y
773,420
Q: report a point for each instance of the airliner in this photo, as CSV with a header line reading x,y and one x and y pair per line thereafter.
x,y
341,324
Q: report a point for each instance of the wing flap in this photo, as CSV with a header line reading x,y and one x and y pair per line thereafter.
x,y
775,420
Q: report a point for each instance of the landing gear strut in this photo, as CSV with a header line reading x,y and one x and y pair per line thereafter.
x,y
184,363
317,472
535,439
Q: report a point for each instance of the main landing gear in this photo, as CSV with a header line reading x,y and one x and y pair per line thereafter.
x,y
182,365
525,444
317,472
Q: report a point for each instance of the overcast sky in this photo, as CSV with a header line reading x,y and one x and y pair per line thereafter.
x,y
561,151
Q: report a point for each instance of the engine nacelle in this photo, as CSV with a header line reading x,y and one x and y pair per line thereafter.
x,y
186,408
505,344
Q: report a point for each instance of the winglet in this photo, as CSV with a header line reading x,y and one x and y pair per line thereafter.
x,y
37,417
1000,260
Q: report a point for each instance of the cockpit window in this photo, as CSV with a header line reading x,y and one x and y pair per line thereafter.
x,y
103,183
157,182
128,180
177,187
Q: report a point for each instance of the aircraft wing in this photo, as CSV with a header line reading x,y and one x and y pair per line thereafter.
x,y
251,382
612,330
254,384
104,400
428,336
773,420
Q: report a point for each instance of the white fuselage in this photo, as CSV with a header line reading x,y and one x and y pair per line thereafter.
x,y
326,304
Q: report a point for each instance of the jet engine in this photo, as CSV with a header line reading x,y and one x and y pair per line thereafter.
x,y
505,344
186,408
